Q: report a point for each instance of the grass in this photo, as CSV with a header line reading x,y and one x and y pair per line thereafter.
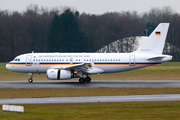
x,y
72,92
167,110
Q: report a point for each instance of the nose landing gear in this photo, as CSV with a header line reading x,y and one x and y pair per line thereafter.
x,y
31,78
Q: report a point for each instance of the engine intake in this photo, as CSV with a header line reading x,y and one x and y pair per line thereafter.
x,y
56,74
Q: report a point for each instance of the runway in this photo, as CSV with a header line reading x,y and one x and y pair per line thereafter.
x,y
92,99
92,84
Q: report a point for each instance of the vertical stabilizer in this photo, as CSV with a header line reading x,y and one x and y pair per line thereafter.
x,y
155,42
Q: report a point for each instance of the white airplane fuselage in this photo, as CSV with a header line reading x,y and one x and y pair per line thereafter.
x,y
105,62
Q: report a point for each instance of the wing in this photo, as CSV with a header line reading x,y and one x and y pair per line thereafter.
x,y
84,67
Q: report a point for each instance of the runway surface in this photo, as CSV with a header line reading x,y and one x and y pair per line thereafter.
x,y
92,99
92,84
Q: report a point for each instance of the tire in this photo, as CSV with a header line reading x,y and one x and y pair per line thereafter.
x,y
88,79
30,80
81,80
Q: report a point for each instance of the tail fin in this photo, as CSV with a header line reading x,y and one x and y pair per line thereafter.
x,y
155,42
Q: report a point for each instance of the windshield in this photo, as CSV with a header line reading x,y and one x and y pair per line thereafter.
x,y
16,59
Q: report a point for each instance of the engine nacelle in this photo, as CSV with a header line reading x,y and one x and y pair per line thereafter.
x,y
56,74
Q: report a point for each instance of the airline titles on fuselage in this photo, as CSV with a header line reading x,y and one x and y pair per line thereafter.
x,y
56,58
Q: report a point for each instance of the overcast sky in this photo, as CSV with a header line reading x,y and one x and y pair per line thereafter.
x,y
93,6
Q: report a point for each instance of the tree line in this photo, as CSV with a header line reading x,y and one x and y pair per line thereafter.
x,y
64,29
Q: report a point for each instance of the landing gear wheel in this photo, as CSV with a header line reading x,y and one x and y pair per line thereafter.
x,y
81,80
88,79
30,80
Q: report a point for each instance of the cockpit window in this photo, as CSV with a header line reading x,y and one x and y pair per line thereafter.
x,y
16,59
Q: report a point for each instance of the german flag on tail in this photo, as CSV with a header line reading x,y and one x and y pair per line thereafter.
x,y
158,33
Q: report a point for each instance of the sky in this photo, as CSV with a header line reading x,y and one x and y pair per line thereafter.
x,y
93,6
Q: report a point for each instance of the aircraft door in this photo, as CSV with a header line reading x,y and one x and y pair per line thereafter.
x,y
132,60
28,60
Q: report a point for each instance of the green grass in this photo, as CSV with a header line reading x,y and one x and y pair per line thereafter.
x,y
73,92
167,110
170,64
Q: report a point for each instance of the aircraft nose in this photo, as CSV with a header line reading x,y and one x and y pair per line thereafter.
x,y
9,67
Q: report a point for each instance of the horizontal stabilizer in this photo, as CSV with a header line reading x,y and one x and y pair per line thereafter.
x,y
156,57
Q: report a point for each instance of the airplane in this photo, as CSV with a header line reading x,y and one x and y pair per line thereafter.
x,y
62,66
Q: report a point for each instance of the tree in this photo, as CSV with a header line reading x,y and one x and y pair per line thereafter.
x,y
64,35
53,38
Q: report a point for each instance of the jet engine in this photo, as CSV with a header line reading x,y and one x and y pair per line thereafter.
x,y
56,74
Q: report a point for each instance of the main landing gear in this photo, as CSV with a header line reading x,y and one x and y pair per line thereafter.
x,y
31,78
82,79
